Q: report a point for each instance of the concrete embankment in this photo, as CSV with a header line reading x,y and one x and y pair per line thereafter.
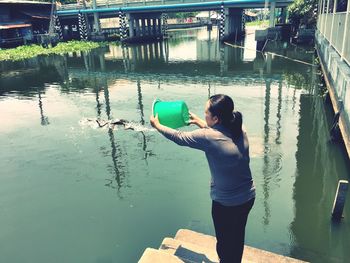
x,y
191,247
337,77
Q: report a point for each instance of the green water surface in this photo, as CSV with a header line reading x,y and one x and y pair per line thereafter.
x,y
73,192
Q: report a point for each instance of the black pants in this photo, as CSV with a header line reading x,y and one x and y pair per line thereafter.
x,y
229,223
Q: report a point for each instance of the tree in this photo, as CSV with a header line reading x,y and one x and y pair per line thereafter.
x,y
303,13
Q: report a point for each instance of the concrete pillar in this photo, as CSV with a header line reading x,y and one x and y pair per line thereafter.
x,y
159,26
149,27
154,26
283,15
137,27
233,23
143,26
272,14
96,18
131,26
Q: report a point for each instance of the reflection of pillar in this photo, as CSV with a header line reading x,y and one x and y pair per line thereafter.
x,y
134,58
116,153
266,174
145,52
102,62
44,120
98,104
107,102
140,104
272,14
151,56
222,60
279,115
156,50
209,90
161,50
139,53
268,63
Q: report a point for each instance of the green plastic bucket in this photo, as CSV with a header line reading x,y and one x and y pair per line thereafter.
x,y
173,114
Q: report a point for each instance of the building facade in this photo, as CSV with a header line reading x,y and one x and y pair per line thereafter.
x,y
21,21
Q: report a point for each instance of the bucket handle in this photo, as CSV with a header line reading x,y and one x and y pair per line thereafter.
x,y
154,103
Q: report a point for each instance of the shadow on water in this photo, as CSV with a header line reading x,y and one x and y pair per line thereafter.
x,y
316,179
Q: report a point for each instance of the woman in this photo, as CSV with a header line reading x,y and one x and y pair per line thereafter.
x,y
232,190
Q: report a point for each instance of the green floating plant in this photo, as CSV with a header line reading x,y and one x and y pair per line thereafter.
x,y
24,52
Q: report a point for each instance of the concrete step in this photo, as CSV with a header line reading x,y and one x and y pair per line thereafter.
x,y
189,252
250,254
151,255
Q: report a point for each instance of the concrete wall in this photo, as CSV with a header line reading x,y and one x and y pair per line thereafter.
x,y
337,72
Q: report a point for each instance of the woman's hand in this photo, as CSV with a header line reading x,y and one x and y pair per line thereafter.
x,y
154,121
194,119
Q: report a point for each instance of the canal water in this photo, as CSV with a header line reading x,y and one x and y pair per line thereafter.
x,y
71,191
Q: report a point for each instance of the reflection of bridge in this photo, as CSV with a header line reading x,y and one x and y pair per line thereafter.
x,y
214,62
144,18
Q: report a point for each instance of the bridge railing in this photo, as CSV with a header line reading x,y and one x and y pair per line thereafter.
x,y
111,3
335,27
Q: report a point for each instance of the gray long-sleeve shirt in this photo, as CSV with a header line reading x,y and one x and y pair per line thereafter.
x,y
231,179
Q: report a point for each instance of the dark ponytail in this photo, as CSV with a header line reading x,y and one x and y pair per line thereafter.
x,y
222,106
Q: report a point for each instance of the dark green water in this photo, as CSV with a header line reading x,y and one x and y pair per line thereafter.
x,y
73,192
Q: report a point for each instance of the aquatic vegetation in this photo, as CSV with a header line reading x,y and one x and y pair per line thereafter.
x,y
24,52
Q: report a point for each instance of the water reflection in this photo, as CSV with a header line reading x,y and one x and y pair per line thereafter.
x,y
315,184
118,167
44,120
146,152
26,78
266,172
114,78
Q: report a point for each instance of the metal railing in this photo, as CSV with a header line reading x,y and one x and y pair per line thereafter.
x,y
335,27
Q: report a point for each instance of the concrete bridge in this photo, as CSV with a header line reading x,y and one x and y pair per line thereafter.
x,y
141,20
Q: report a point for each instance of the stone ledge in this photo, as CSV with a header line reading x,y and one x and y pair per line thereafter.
x,y
250,254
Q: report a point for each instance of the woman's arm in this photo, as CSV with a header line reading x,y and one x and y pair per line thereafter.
x,y
194,139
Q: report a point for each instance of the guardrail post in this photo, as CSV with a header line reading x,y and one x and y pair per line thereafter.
x,y
346,29
334,9
326,20
323,17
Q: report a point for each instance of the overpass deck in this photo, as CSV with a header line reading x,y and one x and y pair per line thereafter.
x,y
137,6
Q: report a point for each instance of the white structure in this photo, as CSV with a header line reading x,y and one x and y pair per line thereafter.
x,y
332,42
334,25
